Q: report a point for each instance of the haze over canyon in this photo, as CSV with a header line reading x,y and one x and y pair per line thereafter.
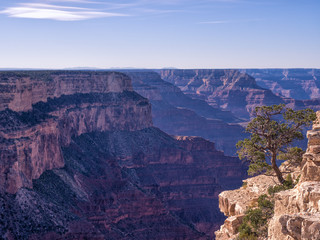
x,y
130,154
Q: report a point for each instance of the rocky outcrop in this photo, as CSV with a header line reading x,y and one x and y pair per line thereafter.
x,y
296,211
178,114
234,203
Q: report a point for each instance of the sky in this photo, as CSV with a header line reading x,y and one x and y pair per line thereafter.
x,y
160,34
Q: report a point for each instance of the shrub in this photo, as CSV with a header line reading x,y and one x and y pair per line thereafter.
x,y
244,185
288,184
255,221
246,232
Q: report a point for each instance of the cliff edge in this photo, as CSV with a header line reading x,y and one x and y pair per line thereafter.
x,y
296,212
41,111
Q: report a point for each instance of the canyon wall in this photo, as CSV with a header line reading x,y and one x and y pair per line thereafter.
x,y
86,163
228,89
240,93
83,102
178,114
300,84
20,89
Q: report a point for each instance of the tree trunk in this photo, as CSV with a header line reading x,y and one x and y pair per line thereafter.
x,y
276,169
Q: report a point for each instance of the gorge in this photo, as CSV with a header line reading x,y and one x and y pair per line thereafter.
x,y
80,158
128,155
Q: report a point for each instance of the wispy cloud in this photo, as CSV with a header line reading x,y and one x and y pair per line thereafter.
x,y
75,10
57,12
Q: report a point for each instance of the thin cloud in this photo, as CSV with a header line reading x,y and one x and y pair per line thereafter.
x,y
56,12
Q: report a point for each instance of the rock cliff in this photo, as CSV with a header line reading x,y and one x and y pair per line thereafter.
x,y
44,110
85,162
19,90
296,211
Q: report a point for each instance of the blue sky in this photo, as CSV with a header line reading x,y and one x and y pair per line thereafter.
x,y
158,34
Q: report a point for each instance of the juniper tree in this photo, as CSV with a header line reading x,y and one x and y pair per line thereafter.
x,y
273,129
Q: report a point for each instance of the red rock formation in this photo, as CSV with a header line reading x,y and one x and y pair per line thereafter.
x,y
19,90
89,165
34,145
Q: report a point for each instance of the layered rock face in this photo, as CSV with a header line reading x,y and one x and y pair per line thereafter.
x,y
31,140
229,89
301,84
89,165
178,114
296,211
19,90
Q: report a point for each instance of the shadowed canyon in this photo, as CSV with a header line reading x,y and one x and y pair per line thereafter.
x,y
136,154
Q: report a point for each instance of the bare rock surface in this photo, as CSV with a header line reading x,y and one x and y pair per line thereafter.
x,y
296,211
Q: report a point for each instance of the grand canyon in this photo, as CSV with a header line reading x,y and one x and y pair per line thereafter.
x,y
136,154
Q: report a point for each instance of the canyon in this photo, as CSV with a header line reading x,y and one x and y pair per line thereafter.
x,y
178,114
141,154
239,92
80,158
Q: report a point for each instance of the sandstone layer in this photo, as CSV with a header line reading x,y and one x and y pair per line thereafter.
x,y
19,90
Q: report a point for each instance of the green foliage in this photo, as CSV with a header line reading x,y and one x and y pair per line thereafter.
x,y
288,184
292,155
297,180
272,130
255,221
265,203
255,217
244,184
245,232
